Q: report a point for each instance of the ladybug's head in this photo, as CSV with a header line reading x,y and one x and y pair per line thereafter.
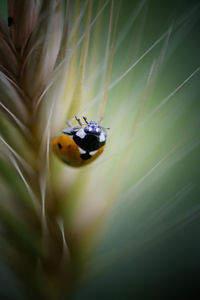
x,y
93,128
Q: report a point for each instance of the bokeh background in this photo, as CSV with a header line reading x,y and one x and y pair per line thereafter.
x,y
134,214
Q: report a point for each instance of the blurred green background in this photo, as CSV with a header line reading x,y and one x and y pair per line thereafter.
x,y
149,246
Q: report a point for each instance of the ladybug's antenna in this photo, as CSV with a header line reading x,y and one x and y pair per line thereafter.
x,y
106,128
99,121
85,119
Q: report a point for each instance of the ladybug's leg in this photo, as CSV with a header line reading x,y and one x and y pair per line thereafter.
x,y
85,119
99,121
79,121
68,131
69,123
72,130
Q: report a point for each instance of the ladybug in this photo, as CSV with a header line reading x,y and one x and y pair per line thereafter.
x,y
81,144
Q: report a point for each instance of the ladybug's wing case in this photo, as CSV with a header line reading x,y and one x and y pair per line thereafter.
x,y
68,151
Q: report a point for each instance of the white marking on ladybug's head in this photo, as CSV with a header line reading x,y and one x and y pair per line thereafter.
x,y
93,152
81,150
98,130
81,133
102,137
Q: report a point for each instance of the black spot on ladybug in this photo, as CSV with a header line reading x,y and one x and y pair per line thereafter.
x,y
59,146
89,143
85,156
10,21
